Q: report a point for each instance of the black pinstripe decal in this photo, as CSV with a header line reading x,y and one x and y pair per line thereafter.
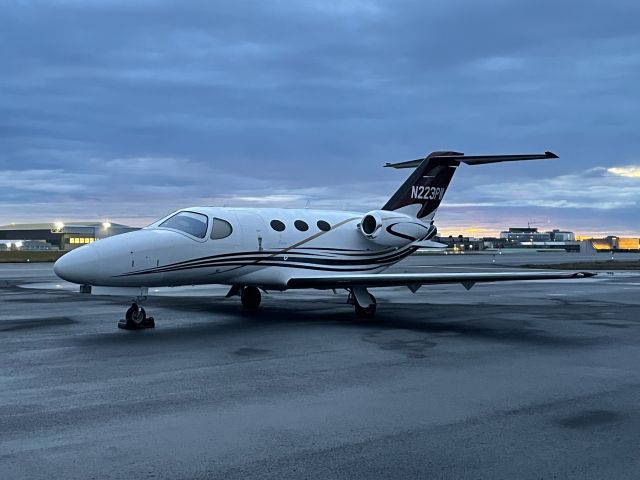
x,y
331,264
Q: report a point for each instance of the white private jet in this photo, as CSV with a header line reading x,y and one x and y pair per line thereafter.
x,y
253,249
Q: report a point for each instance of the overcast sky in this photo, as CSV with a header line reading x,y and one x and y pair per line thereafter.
x,y
127,110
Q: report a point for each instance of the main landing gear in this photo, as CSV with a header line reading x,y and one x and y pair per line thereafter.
x,y
136,317
250,298
363,301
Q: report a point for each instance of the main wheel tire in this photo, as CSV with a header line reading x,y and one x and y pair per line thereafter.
x,y
366,312
250,298
135,314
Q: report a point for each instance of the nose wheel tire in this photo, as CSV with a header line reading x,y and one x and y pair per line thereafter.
x,y
135,314
366,312
250,298
136,318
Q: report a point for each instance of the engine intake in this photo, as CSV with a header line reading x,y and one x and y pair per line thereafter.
x,y
370,225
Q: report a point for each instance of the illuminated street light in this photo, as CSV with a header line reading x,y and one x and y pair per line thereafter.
x,y
106,225
57,227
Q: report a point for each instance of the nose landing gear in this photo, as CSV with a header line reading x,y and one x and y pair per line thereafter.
x,y
136,318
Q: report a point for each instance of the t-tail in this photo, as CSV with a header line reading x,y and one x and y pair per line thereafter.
x,y
420,195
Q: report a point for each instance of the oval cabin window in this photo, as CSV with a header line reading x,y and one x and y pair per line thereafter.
x,y
277,225
301,225
221,229
324,226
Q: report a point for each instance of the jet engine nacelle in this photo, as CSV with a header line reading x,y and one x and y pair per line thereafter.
x,y
393,229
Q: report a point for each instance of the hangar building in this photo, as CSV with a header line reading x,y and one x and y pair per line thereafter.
x,y
62,236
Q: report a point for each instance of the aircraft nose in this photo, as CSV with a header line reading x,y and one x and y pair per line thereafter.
x,y
78,266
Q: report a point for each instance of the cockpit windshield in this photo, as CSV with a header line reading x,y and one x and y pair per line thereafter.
x,y
189,222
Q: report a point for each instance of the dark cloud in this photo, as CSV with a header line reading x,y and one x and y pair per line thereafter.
x,y
113,107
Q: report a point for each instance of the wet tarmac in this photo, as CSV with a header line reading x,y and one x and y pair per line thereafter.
x,y
516,380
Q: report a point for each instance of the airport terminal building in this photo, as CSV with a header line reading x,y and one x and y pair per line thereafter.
x,y
532,235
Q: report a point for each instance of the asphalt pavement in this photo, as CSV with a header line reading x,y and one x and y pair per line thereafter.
x,y
521,380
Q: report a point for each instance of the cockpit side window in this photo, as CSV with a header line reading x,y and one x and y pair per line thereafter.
x,y
221,229
188,222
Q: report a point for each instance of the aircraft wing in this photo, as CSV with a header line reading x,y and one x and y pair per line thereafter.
x,y
415,280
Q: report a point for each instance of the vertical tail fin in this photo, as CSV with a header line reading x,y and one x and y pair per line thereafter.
x,y
420,195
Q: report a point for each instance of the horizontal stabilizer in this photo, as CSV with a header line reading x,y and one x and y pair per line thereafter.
x,y
429,244
473,159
